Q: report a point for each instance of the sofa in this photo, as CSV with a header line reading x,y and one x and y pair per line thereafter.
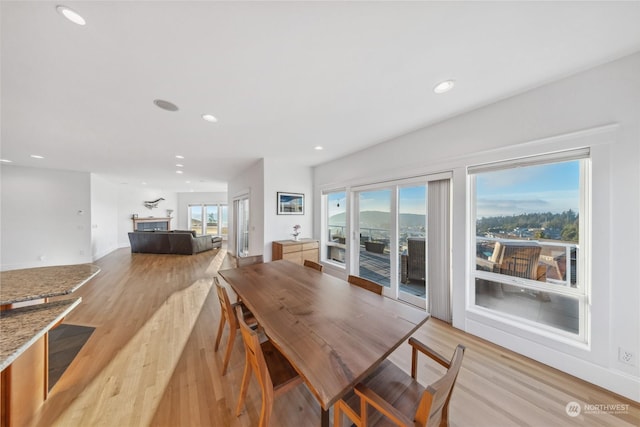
x,y
182,242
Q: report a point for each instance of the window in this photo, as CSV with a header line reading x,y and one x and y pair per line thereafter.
x,y
335,213
208,219
529,233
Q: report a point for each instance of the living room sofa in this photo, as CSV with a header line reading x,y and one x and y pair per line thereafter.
x,y
171,242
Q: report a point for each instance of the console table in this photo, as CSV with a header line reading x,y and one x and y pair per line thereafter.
x,y
295,250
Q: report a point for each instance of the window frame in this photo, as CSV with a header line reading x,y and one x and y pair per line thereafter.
x,y
203,211
582,291
324,226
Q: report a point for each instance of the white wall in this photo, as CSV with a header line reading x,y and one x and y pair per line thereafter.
x,y
131,200
526,124
104,217
283,176
195,198
251,182
46,217
262,181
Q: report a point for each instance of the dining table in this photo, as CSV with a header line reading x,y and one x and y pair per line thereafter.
x,y
333,333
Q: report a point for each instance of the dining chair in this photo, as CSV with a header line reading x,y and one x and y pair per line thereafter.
x,y
249,260
313,264
228,315
273,371
398,397
366,284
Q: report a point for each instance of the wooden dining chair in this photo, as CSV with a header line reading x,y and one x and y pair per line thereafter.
x,y
313,264
249,260
365,284
228,315
398,397
273,371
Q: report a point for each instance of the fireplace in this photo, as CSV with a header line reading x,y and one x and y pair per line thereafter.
x,y
151,224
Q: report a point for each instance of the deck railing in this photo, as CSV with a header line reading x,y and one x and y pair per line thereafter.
x,y
559,258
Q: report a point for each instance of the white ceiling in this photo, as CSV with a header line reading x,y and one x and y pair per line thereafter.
x,y
280,77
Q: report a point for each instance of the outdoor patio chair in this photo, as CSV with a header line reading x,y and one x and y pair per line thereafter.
x,y
520,259
413,263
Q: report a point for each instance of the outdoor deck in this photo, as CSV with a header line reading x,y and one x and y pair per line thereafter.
x,y
377,267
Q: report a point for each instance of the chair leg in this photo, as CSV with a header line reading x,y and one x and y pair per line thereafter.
x,y
245,385
363,412
227,354
220,328
265,412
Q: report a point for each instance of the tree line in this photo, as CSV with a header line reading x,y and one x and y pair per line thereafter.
x,y
547,225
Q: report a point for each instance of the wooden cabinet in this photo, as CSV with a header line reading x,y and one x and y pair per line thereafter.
x,y
296,251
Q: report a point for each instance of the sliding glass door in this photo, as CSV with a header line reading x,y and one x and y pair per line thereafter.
x,y
374,237
390,239
411,254
401,240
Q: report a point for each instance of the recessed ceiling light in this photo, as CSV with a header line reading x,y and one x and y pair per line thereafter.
x,y
165,105
36,156
188,182
209,118
70,14
318,147
179,172
143,183
6,161
179,165
444,86
178,156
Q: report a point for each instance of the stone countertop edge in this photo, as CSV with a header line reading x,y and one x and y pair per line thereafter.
x,y
41,293
30,314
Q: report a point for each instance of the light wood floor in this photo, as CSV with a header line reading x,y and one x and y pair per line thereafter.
x,y
150,362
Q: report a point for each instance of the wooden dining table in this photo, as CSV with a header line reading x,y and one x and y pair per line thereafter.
x,y
333,333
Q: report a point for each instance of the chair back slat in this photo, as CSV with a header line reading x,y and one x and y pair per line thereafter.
x,y
249,260
255,356
365,284
225,303
312,264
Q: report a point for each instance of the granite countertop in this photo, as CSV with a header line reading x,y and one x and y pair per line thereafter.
x,y
43,282
21,327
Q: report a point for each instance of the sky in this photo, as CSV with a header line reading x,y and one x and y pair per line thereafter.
x,y
544,188
412,200
550,187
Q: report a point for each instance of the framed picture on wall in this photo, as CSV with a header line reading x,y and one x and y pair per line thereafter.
x,y
290,203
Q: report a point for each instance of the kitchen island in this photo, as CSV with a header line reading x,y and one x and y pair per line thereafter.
x,y
26,317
